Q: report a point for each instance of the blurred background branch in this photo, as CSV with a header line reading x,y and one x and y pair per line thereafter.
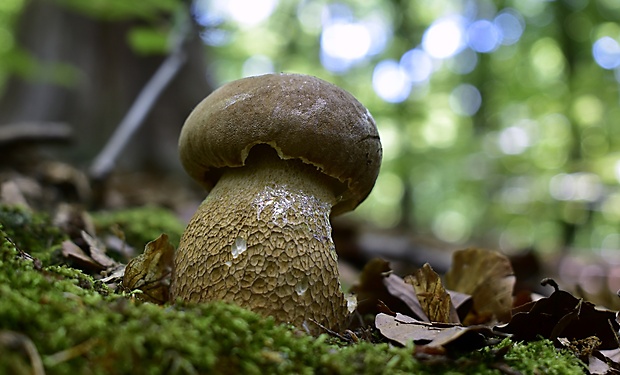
x,y
105,161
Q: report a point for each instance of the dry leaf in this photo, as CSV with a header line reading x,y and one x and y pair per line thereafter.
x,y
11,195
462,302
82,260
150,271
604,362
563,315
98,251
114,277
573,323
404,329
404,292
379,285
488,277
432,296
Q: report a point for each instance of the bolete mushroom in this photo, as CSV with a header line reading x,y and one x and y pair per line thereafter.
x,y
280,153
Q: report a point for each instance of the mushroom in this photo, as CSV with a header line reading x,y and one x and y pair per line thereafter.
x,y
279,153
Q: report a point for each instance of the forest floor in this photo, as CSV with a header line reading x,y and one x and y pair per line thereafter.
x,y
64,308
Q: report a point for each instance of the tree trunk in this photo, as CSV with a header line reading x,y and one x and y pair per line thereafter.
x,y
109,77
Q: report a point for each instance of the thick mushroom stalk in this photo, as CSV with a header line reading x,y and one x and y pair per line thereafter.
x,y
262,239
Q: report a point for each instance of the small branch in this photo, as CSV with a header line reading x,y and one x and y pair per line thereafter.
x,y
35,132
73,352
16,340
142,106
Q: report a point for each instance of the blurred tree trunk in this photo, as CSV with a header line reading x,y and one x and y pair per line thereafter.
x,y
109,77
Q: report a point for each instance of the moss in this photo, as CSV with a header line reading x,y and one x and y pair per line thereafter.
x,y
141,224
78,326
541,357
31,232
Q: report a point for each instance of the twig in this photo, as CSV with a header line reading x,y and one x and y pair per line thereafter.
x,y
105,161
16,340
34,131
73,352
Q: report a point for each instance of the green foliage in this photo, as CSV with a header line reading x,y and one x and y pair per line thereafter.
x,y
141,225
456,176
11,57
115,10
147,40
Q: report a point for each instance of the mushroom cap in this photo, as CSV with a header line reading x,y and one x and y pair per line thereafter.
x,y
301,117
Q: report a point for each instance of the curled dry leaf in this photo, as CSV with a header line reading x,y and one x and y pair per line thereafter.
x,y
98,251
604,362
432,295
488,277
151,271
563,315
573,323
404,329
94,261
379,286
404,292
81,260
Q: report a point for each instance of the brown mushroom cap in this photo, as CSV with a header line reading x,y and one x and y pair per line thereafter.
x,y
301,117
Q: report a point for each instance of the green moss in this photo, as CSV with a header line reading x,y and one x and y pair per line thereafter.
x,y
79,327
141,224
31,232
541,357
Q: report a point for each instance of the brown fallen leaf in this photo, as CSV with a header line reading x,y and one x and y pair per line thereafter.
x,y
432,296
462,302
378,285
11,195
150,271
605,362
563,315
404,329
81,260
98,251
488,277
398,288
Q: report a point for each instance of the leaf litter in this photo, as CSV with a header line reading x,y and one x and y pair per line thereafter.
x,y
473,306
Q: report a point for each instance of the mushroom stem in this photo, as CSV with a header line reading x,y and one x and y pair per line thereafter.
x,y
262,239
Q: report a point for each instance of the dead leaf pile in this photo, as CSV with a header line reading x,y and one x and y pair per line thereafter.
x,y
421,309
94,259
472,307
590,332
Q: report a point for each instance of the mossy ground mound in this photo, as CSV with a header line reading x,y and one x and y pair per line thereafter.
x,y
140,225
69,323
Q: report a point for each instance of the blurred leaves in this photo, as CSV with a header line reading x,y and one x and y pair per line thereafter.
x,y
488,277
115,10
146,40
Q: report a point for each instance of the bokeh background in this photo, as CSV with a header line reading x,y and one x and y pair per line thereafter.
x,y
499,119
